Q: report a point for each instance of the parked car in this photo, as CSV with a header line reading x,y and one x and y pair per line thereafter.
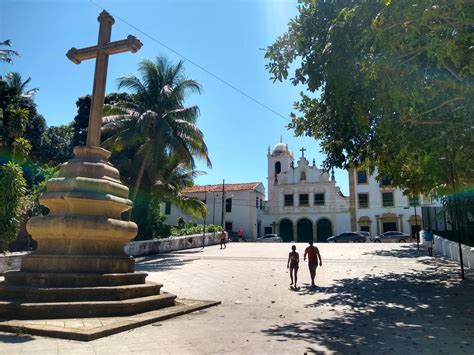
x,y
348,237
392,236
365,234
270,238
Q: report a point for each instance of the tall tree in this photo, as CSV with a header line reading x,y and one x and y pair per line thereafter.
x,y
394,80
155,124
81,120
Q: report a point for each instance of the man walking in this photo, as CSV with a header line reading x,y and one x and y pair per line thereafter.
x,y
428,238
313,256
223,239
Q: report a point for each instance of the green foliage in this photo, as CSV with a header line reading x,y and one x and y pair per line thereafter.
x,y
146,214
57,144
7,54
191,228
395,84
81,120
21,150
12,202
154,125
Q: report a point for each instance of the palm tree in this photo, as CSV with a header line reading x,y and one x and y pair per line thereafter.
x,y
15,82
7,54
156,122
173,178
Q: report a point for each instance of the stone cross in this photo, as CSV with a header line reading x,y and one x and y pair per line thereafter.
x,y
302,152
101,52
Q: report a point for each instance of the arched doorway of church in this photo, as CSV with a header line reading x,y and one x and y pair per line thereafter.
x,y
304,230
323,229
286,230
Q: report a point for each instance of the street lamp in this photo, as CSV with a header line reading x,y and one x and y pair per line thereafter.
x,y
455,214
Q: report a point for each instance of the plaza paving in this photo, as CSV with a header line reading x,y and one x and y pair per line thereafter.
x,y
370,298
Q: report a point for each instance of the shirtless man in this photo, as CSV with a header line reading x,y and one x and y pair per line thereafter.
x,y
293,264
313,256
223,239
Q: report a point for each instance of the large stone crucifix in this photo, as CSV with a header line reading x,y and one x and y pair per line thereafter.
x,y
101,52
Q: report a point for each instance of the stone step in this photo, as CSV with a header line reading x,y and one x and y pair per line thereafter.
x,y
108,293
40,279
19,310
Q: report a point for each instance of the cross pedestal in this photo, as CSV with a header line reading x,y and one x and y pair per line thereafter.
x,y
80,268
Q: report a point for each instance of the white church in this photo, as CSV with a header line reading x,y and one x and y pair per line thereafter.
x,y
304,203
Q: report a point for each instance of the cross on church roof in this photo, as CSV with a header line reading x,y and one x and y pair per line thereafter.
x,y
101,52
302,152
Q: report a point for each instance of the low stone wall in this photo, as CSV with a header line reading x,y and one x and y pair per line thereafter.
x,y
157,246
451,250
10,261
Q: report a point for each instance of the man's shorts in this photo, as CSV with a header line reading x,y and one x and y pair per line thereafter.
x,y
312,266
429,243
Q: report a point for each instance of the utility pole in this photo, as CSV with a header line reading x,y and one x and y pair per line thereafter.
x,y
213,208
205,216
223,200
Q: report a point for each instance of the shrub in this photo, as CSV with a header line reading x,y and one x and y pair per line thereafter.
x,y
12,202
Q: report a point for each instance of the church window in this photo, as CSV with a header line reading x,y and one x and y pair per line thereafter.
x,y
277,167
387,199
363,200
288,200
256,202
261,203
228,226
362,177
228,205
303,176
168,208
304,200
319,199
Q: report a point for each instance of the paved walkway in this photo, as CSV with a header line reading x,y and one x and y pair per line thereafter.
x,y
370,298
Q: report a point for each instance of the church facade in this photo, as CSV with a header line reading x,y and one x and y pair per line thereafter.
x,y
304,203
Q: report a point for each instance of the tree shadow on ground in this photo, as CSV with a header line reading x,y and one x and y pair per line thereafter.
x,y
403,251
15,338
162,262
430,311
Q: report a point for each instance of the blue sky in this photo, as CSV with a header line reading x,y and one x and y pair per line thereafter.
x,y
225,37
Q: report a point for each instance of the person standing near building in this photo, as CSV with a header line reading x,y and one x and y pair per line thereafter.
x,y
428,239
240,234
223,239
313,257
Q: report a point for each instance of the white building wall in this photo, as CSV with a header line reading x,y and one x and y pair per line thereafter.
x,y
243,213
401,212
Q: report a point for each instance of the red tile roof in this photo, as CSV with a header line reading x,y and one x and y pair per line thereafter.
x,y
227,187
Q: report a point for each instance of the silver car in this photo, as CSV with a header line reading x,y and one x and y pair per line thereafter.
x,y
270,238
393,237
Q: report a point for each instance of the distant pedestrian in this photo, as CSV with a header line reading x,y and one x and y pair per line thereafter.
x,y
240,234
428,238
313,256
293,265
223,239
